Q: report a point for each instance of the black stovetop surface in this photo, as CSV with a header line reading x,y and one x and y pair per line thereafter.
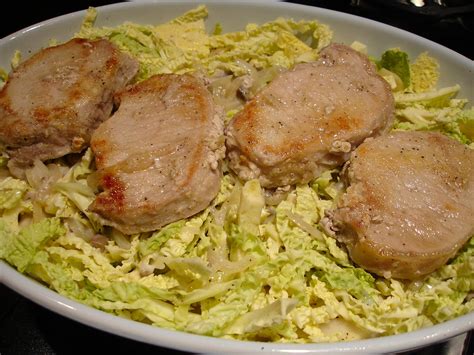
x,y
26,328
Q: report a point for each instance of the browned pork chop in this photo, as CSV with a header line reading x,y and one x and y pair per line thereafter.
x,y
158,157
409,206
309,119
53,101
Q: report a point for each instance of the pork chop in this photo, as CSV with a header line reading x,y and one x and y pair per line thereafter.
x,y
53,101
309,119
409,206
158,157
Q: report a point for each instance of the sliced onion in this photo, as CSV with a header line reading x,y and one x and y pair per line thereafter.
x,y
300,222
120,239
99,241
80,230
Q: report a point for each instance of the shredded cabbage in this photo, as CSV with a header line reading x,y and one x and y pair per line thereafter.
x,y
397,62
424,73
182,45
242,268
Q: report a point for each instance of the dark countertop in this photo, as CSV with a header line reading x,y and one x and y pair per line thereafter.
x,y
26,328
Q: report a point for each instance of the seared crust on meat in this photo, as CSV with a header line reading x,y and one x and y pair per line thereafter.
x,y
53,101
409,206
158,157
309,119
